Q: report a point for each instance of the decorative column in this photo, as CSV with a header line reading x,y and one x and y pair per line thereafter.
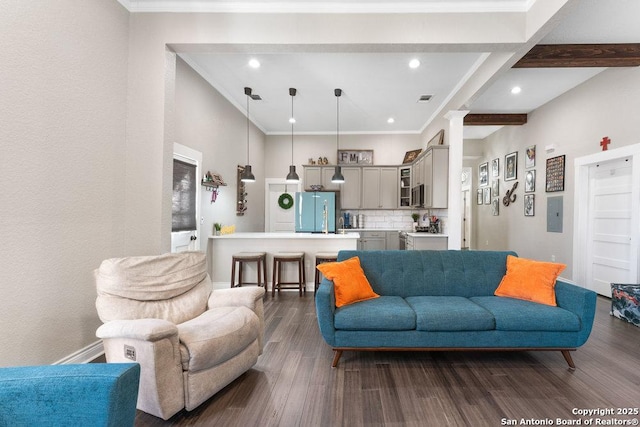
x,y
454,227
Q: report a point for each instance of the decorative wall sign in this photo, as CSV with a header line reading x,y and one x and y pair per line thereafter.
x,y
410,156
530,157
495,167
529,204
483,174
510,195
511,166
530,181
495,206
555,174
355,157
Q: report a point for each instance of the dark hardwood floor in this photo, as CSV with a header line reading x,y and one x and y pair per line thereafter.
x,y
293,383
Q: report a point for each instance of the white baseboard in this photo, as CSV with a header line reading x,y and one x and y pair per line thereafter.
x,y
84,355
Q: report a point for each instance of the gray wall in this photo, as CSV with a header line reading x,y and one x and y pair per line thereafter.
x,y
606,105
63,68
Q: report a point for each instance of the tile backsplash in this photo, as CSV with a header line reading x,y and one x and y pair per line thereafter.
x,y
399,219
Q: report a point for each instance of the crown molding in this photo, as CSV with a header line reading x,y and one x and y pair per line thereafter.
x,y
215,6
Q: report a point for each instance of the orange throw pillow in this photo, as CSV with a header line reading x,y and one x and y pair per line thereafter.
x,y
530,280
350,283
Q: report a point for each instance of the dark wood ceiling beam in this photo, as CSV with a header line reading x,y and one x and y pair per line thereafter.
x,y
581,55
495,119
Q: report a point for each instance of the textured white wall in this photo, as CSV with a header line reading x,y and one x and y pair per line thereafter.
x,y
62,138
606,105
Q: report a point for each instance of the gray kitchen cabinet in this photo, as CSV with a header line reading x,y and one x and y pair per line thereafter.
x,y
436,177
350,191
380,187
417,173
392,240
312,176
372,241
427,242
327,174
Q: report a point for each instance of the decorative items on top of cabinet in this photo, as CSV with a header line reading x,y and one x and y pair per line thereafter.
x,y
379,187
241,205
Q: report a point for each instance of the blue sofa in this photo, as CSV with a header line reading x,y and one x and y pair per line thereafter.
x,y
444,300
92,394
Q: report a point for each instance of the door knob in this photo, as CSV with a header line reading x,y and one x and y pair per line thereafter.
x,y
193,238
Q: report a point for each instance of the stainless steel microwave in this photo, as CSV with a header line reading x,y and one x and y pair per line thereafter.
x,y
417,196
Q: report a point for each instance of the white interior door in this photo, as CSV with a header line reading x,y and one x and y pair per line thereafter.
x,y
277,219
610,252
185,210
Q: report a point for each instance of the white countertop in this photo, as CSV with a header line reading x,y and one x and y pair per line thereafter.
x,y
426,235
305,236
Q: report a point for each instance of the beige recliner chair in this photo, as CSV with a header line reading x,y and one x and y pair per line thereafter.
x,y
190,341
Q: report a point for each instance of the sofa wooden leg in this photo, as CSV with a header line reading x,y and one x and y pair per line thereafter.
x,y
336,358
568,358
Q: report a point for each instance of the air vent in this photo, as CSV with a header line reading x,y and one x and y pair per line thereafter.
x,y
256,97
424,98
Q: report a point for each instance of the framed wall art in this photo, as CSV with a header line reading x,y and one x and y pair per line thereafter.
x,y
555,174
529,204
530,181
483,174
355,157
495,187
486,195
479,197
410,156
495,206
438,139
511,166
495,167
530,157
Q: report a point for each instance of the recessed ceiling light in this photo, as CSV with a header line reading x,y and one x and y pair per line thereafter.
x,y
414,63
516,90
292,120
254,63
391,120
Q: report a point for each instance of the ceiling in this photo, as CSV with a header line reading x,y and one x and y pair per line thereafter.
x,y
378,86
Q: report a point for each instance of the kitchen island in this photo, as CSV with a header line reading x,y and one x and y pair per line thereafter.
x,y
221,249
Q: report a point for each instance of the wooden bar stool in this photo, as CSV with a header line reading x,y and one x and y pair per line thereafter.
x,y
320,258
280,258
260,258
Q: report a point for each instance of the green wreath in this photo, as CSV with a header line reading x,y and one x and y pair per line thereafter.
x,y
285,201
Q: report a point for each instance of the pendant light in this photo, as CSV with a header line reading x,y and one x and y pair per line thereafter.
x,y
292,176
337,177
247,175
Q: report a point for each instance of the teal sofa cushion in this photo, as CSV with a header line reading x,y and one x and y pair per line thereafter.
x,y
518,315
438,313
386,313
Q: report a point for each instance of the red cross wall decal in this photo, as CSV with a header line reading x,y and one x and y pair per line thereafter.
x,y
605,141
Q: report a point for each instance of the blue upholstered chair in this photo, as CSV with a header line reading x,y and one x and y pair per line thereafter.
x,y
93,394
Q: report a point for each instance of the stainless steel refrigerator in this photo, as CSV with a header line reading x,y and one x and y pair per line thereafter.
x,y
315,212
